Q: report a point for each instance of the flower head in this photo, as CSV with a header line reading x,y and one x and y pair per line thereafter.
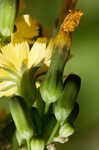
x,y
26,29
16,58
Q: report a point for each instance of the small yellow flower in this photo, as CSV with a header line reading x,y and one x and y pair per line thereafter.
x,y
14,58
26,29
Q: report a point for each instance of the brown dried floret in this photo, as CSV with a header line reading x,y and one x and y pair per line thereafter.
x,y
63,38
71,21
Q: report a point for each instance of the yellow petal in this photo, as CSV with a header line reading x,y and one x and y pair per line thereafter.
x,y
23,53
49,51
18,38
38,52
16,54
27,27
6,63
4,74
9,92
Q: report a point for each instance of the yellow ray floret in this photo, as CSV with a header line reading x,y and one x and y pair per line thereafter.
x,y
26,29
6,89
14,56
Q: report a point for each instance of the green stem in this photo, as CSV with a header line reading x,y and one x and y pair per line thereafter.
x,y
21,117
53,132
28,145
46,108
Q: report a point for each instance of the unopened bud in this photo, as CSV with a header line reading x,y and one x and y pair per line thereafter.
x,y
64,106
52,86
66,130
37,144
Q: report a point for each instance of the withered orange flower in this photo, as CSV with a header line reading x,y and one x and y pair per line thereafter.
x,y
71,21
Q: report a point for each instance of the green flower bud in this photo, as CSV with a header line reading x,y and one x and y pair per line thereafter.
x,y
21,117
66,130
52,86
7,16
64,106
37,144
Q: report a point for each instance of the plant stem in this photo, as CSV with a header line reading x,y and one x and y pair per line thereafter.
x,y
53,132
46,108
28,145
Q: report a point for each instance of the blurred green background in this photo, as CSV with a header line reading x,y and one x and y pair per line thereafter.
x,y
85,62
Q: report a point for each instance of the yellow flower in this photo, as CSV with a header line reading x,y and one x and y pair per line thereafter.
x,y
15,58
26,29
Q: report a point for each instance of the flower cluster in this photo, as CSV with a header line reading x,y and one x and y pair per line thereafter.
x,y
42,102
